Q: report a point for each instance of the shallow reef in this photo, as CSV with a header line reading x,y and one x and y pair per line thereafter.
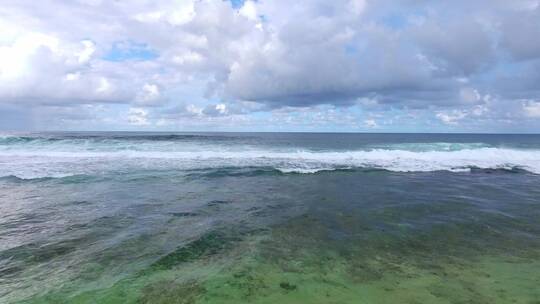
x,y
307,260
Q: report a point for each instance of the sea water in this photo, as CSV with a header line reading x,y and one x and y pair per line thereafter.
x,y
125,217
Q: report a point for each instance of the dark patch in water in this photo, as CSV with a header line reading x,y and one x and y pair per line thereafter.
x,y
81,202
498,170
184,214
287,286
105,223
35,253
165,292
28,219
16,179
78,179
210,173
209,244
218,202
6,272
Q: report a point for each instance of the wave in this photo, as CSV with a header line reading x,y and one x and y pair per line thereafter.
x,y
63,163
433,146
174,141
10,139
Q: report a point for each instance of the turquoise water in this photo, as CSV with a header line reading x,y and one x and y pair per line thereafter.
x,y
266,218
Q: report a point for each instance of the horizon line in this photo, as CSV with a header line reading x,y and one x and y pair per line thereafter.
x,y
254,132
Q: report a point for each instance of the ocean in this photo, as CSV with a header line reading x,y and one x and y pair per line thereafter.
x,y
128,217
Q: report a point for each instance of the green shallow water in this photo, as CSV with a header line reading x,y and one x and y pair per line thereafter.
x,y
245,236
280,267
362,245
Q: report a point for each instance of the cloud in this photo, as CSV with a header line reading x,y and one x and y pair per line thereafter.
x,y
148,95
249,10
227,61
138,117
370,123
517,30
216,110
532,109
451,118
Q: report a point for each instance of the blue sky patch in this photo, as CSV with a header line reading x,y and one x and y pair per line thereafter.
x,y
129,50
237,3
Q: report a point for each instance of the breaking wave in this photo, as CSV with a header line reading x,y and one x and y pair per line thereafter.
x,y
39,164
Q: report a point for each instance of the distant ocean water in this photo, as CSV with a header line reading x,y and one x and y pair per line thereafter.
x,y
126,217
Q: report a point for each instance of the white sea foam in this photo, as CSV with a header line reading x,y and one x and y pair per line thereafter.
x,y
32,164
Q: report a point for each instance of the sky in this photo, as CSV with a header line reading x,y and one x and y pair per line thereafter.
x,y
271,65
